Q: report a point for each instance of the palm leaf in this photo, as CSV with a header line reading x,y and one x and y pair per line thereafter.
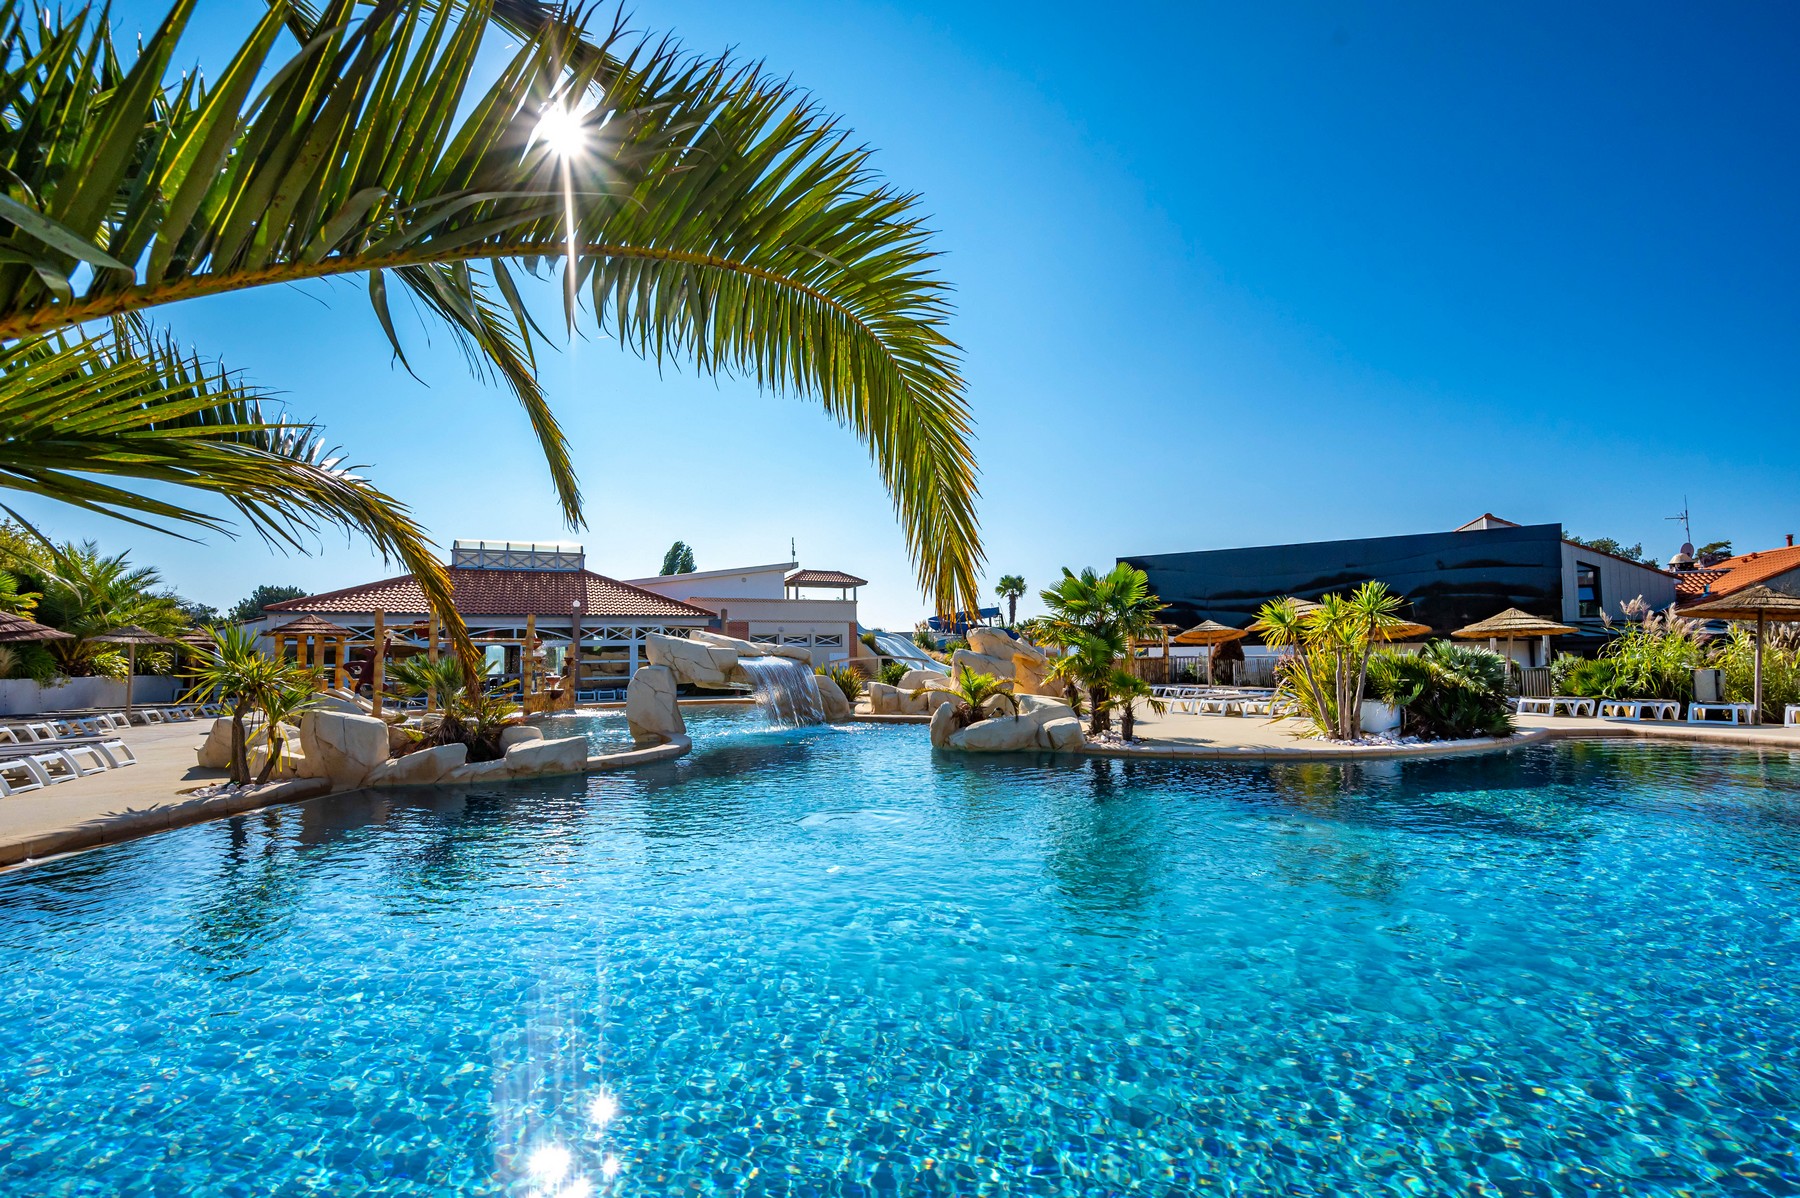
x,y
79,416
719,219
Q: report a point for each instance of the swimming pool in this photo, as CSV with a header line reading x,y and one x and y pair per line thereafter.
x,y
826,962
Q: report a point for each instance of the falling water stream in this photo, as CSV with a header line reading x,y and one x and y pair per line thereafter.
x,y
784,691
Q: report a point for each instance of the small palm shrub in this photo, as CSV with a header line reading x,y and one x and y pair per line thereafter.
x,y
848,680
973,693
891,672
868,640
1596,678
1445,691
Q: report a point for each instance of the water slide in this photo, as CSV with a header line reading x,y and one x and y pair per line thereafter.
x,y
901,648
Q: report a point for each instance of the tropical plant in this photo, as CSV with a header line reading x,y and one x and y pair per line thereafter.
x,y
1010,588
1327,675
923,638
87,593
1089,662
247,680
1444,691
1091,619
280,705
891,672
253,605
846,679
419,675
1736,656
1587,678
1125,691
14,601
678,560
972,693
703,210
1655,655
955,643
868,642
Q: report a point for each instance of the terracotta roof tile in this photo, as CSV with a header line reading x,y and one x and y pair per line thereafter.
x,y
1736,573
505,593
824,578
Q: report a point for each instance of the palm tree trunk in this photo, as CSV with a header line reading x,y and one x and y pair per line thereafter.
x,y
1099,717
240,749
1128,721
276,747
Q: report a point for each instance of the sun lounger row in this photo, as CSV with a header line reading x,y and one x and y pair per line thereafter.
x,y
1645,710
35,766
1211,700
72,724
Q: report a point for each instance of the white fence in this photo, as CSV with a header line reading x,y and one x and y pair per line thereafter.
x,y
22,696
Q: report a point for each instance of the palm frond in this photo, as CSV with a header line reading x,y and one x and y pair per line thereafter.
x,y
718,218
81,416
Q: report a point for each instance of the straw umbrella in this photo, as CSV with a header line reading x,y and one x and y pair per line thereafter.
x,y
1757,603
1510,625
1210,634
131,636
17,629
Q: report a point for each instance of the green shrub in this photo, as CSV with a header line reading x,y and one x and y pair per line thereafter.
x,y
868,640
35,662
847,679
955,643
1595,678
1445,691
892,672
924,640
1736,655
1655,658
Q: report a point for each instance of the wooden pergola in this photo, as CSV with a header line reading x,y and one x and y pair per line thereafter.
x,y
310,635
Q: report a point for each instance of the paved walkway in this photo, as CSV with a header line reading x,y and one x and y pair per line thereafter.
x,y
119,803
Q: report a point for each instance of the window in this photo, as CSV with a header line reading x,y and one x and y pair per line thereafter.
x,y
797,639
1589,604
834,640
763,638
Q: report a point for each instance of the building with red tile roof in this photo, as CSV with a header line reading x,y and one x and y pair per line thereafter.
x,y
1778,569
496,585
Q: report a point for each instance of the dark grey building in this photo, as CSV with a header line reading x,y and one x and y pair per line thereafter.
x,y
1450,579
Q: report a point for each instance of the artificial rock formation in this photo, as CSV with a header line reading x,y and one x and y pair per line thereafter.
x,y
650,708
1006,657
1042,724
967,661
214,752
421,768
341,747
696,662
832,704
914,680
519,734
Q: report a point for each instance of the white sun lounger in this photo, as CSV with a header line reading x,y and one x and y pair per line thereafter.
x,y
1790,716
1733,713
1547,705
1642,710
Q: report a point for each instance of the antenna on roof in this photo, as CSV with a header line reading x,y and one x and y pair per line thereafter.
x,y
793,554
1687,529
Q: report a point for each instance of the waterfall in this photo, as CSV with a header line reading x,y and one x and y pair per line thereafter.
x,y
784,691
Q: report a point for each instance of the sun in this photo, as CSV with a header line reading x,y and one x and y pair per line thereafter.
x,y
562,131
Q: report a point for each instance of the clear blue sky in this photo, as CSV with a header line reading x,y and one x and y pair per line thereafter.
x,y
1226,275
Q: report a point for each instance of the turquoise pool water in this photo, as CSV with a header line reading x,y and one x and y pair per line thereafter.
x,y
826,963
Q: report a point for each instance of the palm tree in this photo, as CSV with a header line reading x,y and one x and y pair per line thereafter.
x,y
1094,617
1128,690
86,593
1009,588
694,208
971,694
1332,643
247,680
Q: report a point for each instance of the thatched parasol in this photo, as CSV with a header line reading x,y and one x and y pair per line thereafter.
x,y
1510,625
1757,603
131,636
1209,633
15,629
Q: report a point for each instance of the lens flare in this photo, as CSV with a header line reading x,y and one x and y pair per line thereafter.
x,y
562,131
549,1162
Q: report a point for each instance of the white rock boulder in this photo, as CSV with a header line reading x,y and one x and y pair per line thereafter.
x,y
1042,724
421,768
695,662
884,699
967,661
943,725
538,758
519,734
650,708
914,680
343,748
832,703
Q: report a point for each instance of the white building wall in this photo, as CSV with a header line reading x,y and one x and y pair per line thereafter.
x,y
1620,583
748,582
